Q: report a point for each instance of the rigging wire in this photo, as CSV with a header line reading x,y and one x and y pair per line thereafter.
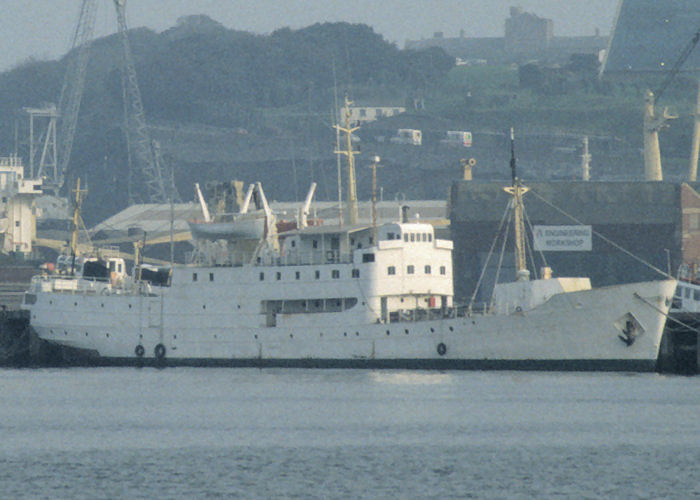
x,y
529,250
488,256
503,251
607,240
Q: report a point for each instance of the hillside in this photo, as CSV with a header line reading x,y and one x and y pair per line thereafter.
x,y
201,77
228,104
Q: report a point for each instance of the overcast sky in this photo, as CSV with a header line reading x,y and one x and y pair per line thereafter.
x,y
43,28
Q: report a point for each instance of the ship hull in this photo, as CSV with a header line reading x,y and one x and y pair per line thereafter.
x,y
585,330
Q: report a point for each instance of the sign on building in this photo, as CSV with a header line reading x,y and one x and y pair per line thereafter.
x,y
563,238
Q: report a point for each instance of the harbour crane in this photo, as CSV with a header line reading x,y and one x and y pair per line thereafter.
x,y
148,159
159,188
653,123
72,89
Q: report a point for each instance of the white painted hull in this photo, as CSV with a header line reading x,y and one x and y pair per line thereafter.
x,y
574,330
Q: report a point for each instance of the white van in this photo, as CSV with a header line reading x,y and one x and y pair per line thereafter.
x,y
457,138
408,136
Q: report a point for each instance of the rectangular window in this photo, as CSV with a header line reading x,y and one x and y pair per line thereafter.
x,y
410,269
391,270
278,276
413,237
262,276
443,270
427,269
389,236
317,275
314,243
405,237
211,276
194,276
425,237
367,257
355,273
335,274
297,275
430,237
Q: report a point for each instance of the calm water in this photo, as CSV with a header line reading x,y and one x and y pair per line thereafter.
x,y
249,433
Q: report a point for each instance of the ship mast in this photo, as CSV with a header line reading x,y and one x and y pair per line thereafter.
x,y
517,190
350,154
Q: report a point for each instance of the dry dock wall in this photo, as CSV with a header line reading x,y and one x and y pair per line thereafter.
x,y
657,222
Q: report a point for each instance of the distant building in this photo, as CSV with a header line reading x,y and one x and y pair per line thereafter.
x,y
527,33
17,209
527,37
365,114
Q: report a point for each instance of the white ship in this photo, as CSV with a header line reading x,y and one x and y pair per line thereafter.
x,y
347,296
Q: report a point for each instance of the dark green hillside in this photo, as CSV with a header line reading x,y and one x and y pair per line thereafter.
x,y
199,74
227,104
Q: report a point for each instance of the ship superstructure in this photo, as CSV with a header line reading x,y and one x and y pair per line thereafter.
x,y
17,207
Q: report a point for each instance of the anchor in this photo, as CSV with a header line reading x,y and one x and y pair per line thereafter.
x,y
628,331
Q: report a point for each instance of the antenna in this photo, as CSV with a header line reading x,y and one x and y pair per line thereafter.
x,y
517,190
512,156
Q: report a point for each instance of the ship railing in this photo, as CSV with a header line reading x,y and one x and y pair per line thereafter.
x,y
315,257
224,258
64,283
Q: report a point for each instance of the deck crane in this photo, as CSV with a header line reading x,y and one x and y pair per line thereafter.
x,y
652,123
72,90
159,187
